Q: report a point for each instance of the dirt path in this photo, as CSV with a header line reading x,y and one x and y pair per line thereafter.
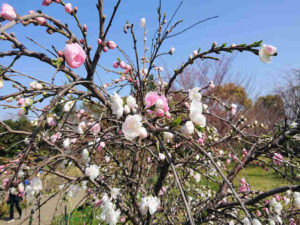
x,y
53,207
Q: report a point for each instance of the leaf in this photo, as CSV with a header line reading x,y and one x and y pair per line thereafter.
x,y
177,121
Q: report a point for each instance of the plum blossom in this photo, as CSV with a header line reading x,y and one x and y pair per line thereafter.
x,y
132,127
111,44
114,192
108,212
255,221
188,128
1,83
68,8
51,121
131,102
277,158
8,12
149,203
92,172
168,136
142,22
196,113
117,105
233,108
36,184
151,99
85,154
66,143
266,52
46,2
68,106
194,94
74,55
95,129
172,50
297,199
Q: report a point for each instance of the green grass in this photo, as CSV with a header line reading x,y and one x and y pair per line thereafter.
x,y
86,215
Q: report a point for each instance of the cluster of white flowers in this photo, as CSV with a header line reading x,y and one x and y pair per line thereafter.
x,y
117,105
297,199
133,127
34,187
255,221
109,214
149,203
92,172
35,85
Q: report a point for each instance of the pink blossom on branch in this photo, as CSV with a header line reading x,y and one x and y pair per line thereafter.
x,y
75,55
277,158
8,12
68,8
151,99
46,2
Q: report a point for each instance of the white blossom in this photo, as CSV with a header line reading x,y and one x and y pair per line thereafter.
x,y
132,127
127,109
131,102
108,212
66,143
142,22
117,105
195,95
81,127
114,192
168,136
188,128
36,184
1,83
92,171
68,106
172,50
85,154
149,203
266,52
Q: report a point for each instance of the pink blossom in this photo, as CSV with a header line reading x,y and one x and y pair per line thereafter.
x,y
75,55
8,12
200,141
5,181
85,27
21,101
128,68
123,65
245,153
101,146
99,41
111,44
115,64
151,99
55,137
95,129
258,213
41,20
21,112
277,197
46,2
57,1
277,158
68,8
105,49
159,113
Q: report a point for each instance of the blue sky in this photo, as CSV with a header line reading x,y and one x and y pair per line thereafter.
x,y
277,22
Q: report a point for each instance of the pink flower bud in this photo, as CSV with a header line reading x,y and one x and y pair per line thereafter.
x,y
228,161
68,8
105,49
41,21
21,101
201,141
258,213
60,53
122,64
115,64
95,129
111,44
168,115
128,68
8,12
46,2
99,41
57,1
85,27
81,41
101,146
75,55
